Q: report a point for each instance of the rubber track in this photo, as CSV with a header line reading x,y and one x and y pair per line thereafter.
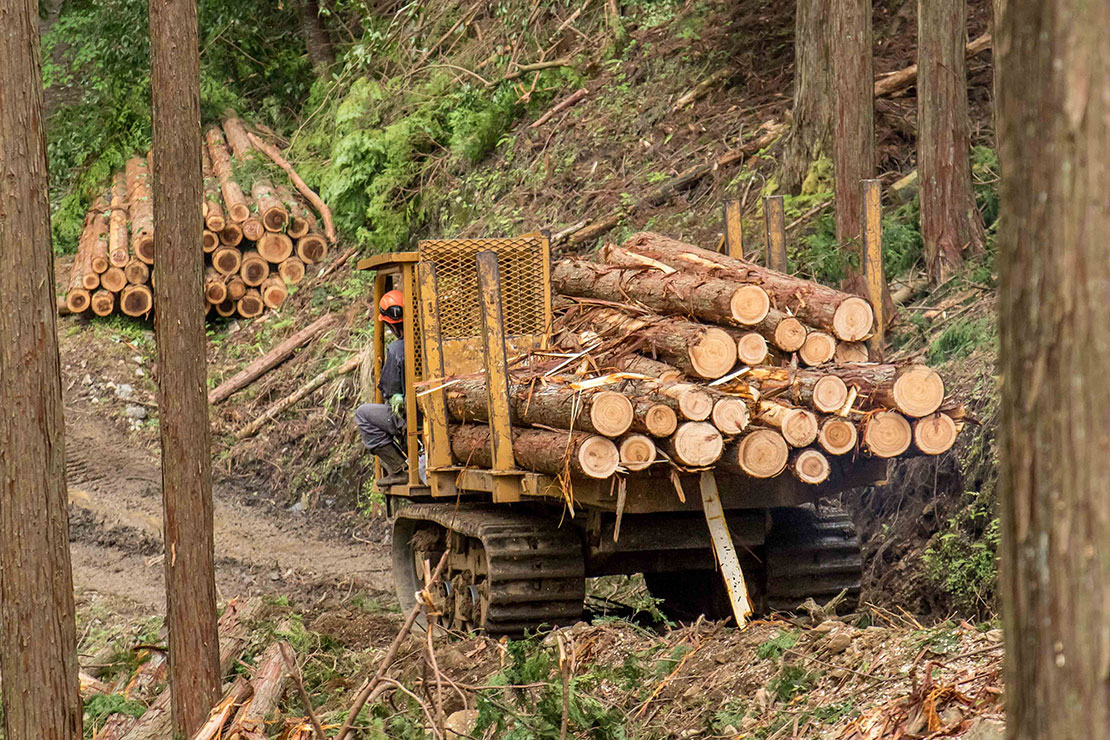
x,y
812,554
536,569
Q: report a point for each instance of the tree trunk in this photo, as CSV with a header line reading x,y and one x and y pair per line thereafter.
x,y
950,221
315,35
38,642
810,134
1054,101
848,317
553,453
854,133
179,311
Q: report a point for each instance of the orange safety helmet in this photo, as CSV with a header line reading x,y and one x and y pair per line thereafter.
x,y
391,307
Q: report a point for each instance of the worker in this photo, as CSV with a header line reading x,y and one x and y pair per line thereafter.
x,y
381,424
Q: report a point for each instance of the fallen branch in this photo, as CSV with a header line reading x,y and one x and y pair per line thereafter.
x,y
701,89
239,692
337,263
271,413
270,360
522,69
561,106
295,671
901,79
269,681
325,213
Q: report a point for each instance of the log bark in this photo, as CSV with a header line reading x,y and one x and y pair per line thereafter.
x,y
214,218
811,129
935,434
695,444
810,467
269,681
581,454
637,453
677,293
691,402
899,80
915,390
696,349
136,300
635,363
950,222
274,292
854,128
237,695
798,426
119,248
758,453
235,201
837,436
309,195
182,400
38,642
271,359
141,209
886,434
598,411
279,406
275,248
653,418
846,316
292,270
253,269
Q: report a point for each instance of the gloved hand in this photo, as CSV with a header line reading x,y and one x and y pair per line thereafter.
x,y
397,404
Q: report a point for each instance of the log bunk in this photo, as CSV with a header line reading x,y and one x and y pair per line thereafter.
x,y
258,236
675,357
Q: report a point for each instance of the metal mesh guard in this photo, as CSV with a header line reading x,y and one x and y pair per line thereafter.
x,y
523,269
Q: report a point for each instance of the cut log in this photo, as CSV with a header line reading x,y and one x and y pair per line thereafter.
x,y
215,291
300,221
227,309
847,317
797,426
689,401
250,305
886,434
851,352
554,453
810,466
696,349
274,247
291,270
825,393
237,695
637,452
77,300
933,434
102,302
209,241
269,681
759,453
136,300
236,288
818,349
141,209
274,292
695,444
307,192
653,418
137,272
751,348
677,293
234,200
114,279
231,235
312,248
253,269
214,219
730,415
227,260
253,228
640,365
271,359
837,436
781,330
119,247
274,215
915,390
599,411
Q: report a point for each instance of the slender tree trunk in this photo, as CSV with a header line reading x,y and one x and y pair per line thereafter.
x,y
1054,69
950,221
38,641
316,39
183,404
854,134
810,134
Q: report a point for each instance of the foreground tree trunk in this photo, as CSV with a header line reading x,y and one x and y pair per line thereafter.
x,y
854,131
1054,101
183,404
810,134
950,221
38,642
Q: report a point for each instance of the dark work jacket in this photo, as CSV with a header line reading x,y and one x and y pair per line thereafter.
x,y
393,370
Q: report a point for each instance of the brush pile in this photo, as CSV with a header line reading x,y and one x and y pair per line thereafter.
x,y
674,356
258,237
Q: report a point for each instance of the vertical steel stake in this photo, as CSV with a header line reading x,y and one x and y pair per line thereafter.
x,y
505,487
437,441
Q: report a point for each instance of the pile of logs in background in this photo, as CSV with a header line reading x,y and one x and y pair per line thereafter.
x,y
671,356
258,237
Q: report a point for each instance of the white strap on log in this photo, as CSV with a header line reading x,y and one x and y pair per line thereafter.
x,y
724,549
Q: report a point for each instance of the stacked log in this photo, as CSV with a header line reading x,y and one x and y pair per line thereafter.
x,y
258,238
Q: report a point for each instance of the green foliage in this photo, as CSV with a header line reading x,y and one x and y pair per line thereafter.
x,y
100,707
777,645
962,557
791,680
960,339
984,176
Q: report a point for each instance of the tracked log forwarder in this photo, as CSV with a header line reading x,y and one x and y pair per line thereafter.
x,y
522,543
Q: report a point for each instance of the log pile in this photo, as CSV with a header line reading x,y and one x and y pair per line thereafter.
x,y
258,236
675,357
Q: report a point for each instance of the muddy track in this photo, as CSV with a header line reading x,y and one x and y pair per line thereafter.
x,y
115,531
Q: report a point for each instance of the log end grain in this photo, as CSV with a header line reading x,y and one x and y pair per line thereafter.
x,y
694,403
830,393
886,434
215,292
227,309
660,420
250,305
215,222
136,300
637,452
810,466
77,300
143,247
231,235
762,453
274,247
799,427
789,335
274,294
918,390
90,281
209,241
611,413
837,436
751,348
253,229
851,352
696,444
227,260
239,212
275,218
236,288
137,272
312,248
103,302
749,305
253,269
298,227
713,354
853,319
598,457
818,349
730,415
113,279
292,270
935,434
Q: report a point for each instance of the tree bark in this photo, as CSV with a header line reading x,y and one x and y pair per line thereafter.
x,y
316,41
810,134
854,133
950,222
179,311
813,388
38,642
1054,101
554,453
